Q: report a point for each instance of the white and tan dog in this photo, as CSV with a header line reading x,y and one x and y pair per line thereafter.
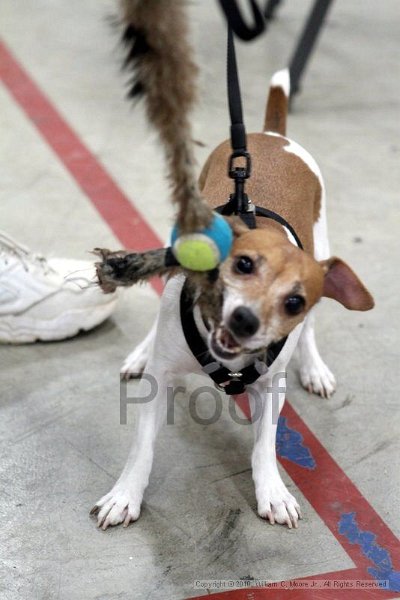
x,y
270,288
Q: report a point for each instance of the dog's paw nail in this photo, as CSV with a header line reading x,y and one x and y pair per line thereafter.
x,y
102,519
279,506
318,379
94,510
270,517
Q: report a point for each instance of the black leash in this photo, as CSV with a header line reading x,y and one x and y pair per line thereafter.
x,y
239,201
238,24
238,204
238,130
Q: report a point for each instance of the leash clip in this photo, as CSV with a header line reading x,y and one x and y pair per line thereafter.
x,y
238,173
221,386
250,208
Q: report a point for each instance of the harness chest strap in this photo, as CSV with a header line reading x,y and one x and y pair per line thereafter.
x,y
228,209
230,383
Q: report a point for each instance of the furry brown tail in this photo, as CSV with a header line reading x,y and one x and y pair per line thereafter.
x,y
158,53
278,103
124,268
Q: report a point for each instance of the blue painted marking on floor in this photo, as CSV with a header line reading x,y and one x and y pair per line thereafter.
x,y
289,444
383,566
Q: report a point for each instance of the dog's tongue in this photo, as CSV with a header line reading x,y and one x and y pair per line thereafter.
x,y
224,344
227,340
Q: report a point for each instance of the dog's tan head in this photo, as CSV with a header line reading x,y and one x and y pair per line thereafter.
x,y
270,285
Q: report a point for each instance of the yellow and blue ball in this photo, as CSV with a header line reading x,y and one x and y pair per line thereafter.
x,y
205,249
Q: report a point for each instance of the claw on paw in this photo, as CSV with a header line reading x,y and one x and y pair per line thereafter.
x,y
286,512
316,378
116,508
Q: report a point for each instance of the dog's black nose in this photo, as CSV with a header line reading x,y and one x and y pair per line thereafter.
x,y
243,322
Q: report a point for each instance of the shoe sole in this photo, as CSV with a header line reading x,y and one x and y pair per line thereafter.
x,y
23,330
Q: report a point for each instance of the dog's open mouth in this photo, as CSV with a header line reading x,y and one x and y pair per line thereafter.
x,y
224,345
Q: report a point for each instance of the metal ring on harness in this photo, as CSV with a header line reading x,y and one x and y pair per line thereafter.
x,y
232,170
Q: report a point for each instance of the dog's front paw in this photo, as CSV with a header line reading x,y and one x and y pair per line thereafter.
x,y
135,363
118,506
277,505
317,378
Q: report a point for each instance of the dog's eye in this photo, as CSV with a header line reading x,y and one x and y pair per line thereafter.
x,y
294,305
244,265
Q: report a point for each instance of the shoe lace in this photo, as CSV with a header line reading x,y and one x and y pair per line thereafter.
x,y
8,246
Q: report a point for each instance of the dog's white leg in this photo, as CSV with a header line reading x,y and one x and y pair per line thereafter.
x,y
315,376
266,398
168,356
122,503
274,501
135,362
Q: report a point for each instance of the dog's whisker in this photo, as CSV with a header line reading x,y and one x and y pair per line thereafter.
x,y
89,285
85,270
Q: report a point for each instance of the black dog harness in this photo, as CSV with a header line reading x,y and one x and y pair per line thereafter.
x,y
238,204
230,382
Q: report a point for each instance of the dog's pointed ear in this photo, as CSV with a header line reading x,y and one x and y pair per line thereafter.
x,y
343,285
237,225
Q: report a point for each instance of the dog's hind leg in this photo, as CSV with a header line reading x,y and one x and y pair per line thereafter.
x,y
135,363
315,376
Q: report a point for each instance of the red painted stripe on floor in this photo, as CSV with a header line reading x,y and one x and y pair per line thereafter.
x,y
327,487
113,205
330,492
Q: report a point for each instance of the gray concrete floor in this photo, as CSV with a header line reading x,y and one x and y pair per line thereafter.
x,y
61,442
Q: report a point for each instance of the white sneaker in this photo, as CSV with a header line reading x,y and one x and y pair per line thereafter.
x,y
49,299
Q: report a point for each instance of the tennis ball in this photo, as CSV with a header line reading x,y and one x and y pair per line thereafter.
x,y
205,249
